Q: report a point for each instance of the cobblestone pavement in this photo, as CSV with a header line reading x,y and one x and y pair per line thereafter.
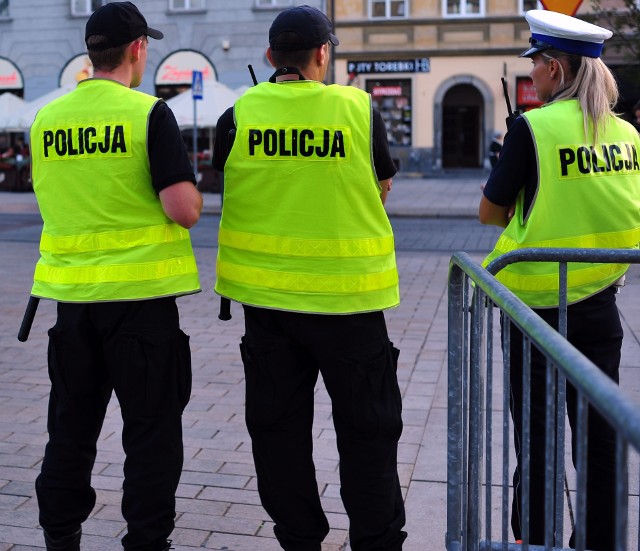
x,y
218,505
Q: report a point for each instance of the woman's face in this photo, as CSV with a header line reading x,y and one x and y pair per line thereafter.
x,y
542,76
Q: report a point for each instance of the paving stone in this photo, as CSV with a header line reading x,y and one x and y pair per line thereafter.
x,y
217,501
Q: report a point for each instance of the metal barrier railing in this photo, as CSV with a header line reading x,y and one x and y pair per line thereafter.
x,y
473,293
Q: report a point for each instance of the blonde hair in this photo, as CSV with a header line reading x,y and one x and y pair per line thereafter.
x,y
594,86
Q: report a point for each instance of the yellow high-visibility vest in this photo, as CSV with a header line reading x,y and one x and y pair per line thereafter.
x,y
105,235
303,227
588,197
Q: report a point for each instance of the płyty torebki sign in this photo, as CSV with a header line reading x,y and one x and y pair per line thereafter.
x,y
422,65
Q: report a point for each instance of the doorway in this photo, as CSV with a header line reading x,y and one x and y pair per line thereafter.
x,y
462,145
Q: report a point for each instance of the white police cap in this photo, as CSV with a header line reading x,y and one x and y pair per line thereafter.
x,y
552,30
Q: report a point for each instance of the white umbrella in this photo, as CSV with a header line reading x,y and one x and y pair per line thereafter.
x,y
216,99
241,89
10,106
23,119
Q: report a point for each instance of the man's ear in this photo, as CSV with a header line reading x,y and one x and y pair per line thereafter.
x,y
321,53
135,47
270,57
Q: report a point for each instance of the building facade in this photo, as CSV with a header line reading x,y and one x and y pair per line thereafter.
x,y
433,67
42,42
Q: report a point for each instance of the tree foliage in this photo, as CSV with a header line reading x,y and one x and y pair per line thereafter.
x,y
624,22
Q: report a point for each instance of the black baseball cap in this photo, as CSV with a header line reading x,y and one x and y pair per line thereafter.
x,y
311,27
120,23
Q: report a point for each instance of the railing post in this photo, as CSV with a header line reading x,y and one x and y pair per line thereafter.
x,y
468,408
622,491
561,400
457,280
506,435
475,421
488,416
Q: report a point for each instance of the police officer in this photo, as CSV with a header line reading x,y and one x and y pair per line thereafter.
x,y
116,193
568,176
305,245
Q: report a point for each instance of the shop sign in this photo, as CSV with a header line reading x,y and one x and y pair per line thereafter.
x,y
422,65
378,91
10,77
178,68
526,96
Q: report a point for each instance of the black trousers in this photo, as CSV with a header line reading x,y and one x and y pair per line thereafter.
x,y
283,352
594,328
138,350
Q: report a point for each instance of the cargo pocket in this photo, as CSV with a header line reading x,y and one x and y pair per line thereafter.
x,y
376,404
184,375
55,367
152,372
263,367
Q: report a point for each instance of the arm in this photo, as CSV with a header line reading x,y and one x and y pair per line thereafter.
x,y
515,171
383,163
171,170
182,202
221,147
495,215
385,186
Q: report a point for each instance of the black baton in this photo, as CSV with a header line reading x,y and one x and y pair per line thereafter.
x,y
225,309
225,303
27,320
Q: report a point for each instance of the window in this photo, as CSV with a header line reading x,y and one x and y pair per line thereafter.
x,y
379,9
185,5
4,8
463,8
85,7
526,96
392,97
273,3
526,5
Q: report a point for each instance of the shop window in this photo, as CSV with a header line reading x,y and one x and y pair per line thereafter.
x,y
85,7
526,5
186,5
4,8
393,99
385,9
463,8
526,97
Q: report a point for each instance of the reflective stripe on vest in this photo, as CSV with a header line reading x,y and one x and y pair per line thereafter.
x,y
105,274
108,241
303,227
307,283
587,197
287,246
105,234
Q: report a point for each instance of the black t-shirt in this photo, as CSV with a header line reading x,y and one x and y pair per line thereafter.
x,y
168,157
516,168
383,163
